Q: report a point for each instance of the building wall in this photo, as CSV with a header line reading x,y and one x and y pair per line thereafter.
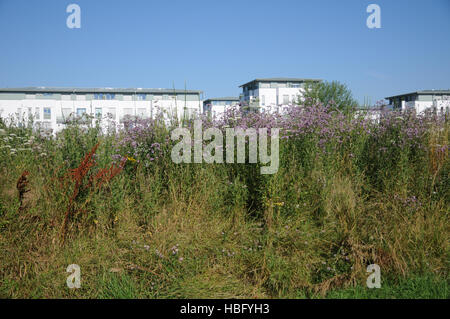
x,y
20,106
217,110
423,102
272,99
421,106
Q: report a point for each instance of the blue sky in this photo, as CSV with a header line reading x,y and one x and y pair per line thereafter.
x,y
217,45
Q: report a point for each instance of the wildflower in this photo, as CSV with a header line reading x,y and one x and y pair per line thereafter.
x,y
160,255
131,159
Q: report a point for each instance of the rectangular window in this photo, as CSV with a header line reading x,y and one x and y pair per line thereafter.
x,y
264,85
81,111
141,97
37,113
128,111
165,97
263,100
285,99
47,113
425,98
98,112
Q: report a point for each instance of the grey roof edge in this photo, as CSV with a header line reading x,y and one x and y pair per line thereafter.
x,y
281,80
95,90
421,92
226,98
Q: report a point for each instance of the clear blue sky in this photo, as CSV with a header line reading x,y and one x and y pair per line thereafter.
x,y
217,45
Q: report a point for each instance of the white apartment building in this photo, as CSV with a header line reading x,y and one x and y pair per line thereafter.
x,y
51,108
437,100
272,94
216,107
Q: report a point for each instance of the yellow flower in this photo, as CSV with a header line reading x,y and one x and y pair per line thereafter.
x,y
131,159
95,221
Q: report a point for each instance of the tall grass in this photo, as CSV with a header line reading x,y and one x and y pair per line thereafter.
x,y
349,192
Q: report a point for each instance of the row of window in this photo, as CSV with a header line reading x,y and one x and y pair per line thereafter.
x,y
274,85
223,103
280,85
47,113
113,96
79,112
286,99
110,112
102,96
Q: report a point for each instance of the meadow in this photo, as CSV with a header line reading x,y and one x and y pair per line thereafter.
x,y
349,192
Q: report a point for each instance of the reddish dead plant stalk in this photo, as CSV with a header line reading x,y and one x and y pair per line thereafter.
x,y
95,182
105,175
77,175
21,186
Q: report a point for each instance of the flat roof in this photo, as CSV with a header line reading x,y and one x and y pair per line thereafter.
x,y
281,80
423,92
42,89
227,98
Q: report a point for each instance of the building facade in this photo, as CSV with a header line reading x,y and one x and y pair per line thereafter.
x,y
52,108
216,107
272,94
420,101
